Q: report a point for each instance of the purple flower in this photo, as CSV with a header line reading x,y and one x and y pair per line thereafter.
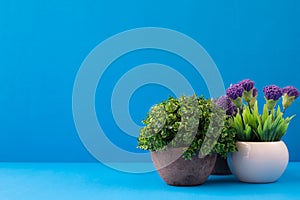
x,y
254,92
235,91
290,91
290,94
247,84
226,104
272,92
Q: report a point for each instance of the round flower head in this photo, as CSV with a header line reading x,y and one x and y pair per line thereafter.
x,y
235,91
233,111
254,92
272,92
247,84
290,93
226,104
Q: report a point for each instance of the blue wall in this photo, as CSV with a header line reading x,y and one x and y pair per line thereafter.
x,y
43,43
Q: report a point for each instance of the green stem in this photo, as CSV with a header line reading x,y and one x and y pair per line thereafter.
x,y
249,107
240,111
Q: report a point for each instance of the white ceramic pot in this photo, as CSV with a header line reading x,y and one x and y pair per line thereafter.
x,y
259,162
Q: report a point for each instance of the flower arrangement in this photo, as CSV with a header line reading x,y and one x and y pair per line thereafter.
x,y
241,104
195,123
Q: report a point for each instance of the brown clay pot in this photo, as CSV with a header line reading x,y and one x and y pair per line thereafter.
x,y
177,171
221,167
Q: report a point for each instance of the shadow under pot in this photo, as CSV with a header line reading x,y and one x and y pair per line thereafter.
x,y
221,167
177,171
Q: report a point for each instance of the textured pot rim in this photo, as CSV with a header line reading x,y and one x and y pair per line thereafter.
x,y
181,148
169,148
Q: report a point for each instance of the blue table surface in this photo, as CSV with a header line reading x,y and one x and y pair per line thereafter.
x,y
22,181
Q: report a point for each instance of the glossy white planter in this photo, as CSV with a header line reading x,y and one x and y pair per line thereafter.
x,y
259,162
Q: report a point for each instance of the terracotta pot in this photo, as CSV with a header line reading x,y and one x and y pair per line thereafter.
x,y
175,170
221,167
259,162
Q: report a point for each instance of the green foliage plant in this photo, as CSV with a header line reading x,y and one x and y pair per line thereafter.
x,y
194,123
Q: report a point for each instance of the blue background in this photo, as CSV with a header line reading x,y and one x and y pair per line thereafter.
x,y
43,43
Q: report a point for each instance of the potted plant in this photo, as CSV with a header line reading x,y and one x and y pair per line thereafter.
x,y
261,157
184,135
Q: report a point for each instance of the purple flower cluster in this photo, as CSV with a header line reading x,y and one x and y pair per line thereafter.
x,y
226,104
290,91
254,92
272,92
235,91
247,84
244,91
